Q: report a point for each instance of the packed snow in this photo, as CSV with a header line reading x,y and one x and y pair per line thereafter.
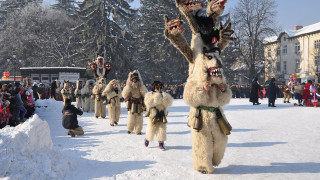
x,y
265,143
27,152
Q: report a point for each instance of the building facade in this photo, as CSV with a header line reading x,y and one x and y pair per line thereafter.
x,y
295,52
48,74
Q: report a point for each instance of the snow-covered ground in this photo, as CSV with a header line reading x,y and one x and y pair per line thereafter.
x,y
265,143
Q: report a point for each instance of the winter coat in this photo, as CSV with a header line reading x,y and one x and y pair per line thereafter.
x,y
69,118
255,91
4,116
272,91
53,87
18,99
35,91
306,92
286,90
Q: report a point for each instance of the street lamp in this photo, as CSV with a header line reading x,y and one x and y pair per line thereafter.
x,y
15,63
116,74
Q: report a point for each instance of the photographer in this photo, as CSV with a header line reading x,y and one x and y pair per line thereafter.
x,y
69,119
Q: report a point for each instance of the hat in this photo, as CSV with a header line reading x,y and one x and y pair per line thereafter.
x,y
6,103
35,83
157,85
272,80
17,84
68,101
28,93
4,86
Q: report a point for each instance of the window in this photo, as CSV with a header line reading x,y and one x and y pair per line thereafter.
x,y
269,52
278,51
317,44
298,64
284,38
297,48
278,66
45,78
284,49
317,60
284,66
35,78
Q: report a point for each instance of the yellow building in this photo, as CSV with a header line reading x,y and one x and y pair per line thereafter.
x,y
296,51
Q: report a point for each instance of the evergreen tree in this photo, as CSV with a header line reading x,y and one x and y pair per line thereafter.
x,y
158,56
65,5
104,30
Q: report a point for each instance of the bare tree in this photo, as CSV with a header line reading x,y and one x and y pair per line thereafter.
x,y
253,21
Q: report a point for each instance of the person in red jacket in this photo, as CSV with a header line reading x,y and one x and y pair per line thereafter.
x,y
4,113
306,93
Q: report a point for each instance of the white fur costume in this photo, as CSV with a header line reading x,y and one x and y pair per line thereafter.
x,y
114,106
205,90
86,93
208,145
77,93
134,92
100,108
157,101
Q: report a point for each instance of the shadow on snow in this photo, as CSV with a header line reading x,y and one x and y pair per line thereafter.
x,y
254,144
307,167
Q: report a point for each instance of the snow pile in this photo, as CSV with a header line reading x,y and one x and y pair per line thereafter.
x,y
48,106
26,152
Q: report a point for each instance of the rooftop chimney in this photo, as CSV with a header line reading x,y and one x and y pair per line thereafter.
x,y
297,27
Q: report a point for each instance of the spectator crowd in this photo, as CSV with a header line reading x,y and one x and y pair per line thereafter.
x,y
17,101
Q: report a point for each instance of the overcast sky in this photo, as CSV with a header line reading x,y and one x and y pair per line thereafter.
x,y
290,12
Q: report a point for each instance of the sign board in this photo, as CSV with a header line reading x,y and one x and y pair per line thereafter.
x,y
72,77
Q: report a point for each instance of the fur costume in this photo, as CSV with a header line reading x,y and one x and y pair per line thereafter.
x,y
27,82
58,95
206,90
134,93
190,9
87,98
100,107
114,94
202,90
100,67
157,103
77,93
66,91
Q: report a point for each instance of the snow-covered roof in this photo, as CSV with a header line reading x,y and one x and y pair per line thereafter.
x,y
293,33
306,30
52,68
270,39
